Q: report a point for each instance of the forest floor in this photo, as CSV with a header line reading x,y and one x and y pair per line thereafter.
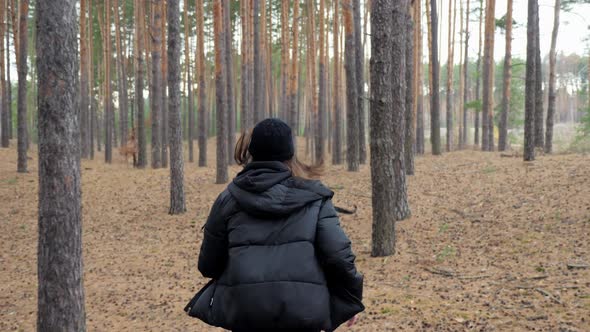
x,y
487,247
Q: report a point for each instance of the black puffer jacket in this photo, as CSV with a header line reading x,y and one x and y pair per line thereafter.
x,y
278,257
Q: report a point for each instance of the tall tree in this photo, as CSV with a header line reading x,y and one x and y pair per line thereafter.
x,y
552,94
488,78
434,93
465,78
259,83
59,264
360,79
478,77
177,204
284,53
84,83
122,77
202,84
409,92
189,85
450,69
107,97
323,96
156,82
139,83
294,72
23,135
337,121
93,121
539,132
9,82
530,88
352,146
164,98
220,93
419,101
503,139
389,199
5,138
246,111
313,82
231,111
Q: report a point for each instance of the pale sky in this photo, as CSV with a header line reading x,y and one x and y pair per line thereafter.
x,y
573,29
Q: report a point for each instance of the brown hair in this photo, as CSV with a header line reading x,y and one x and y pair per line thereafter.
x,y
298,168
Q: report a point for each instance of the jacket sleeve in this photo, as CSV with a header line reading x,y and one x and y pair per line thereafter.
x,y
335,252
214,248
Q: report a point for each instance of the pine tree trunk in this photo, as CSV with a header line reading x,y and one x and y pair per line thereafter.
x,y
59,265
164,98
294,73
22,132
9,82
259,86
409,93
245,87
466,77
530,88
360,79
352,146
108,143
539,132
202,85
139,84
177,204
450,70
389,197
284,55
84,84
479,77
552,94
488,79
220,93
419,146
229,81
434,93
5,138
156,82
93,121
322,97
189,86
337,132
121,73
503,139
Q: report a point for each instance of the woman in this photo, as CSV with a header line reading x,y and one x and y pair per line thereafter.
x,y
273,246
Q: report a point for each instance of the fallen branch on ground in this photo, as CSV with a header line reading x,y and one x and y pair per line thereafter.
x,y
549,295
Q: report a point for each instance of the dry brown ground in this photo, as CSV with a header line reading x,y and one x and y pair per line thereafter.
x,y
488,235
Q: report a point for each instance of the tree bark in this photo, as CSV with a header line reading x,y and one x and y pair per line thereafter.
x,y
530,89
322,97
93,121
107,97
360,79
503,139
352,153
164,99
189,86
22,132
294,73
4,107
9,92
552,79
59,265
259,84
409,93
84,83
488,79
202,84
122,75
450,70
479,77
337,132
139,84
389,197
177,204
434,93
220,93
229,81
245,109
465,78
419,146
156,82
284,55
539,132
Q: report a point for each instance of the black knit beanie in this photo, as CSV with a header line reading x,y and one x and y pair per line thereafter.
x,y
272,140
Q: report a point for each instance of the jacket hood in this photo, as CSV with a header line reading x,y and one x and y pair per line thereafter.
x,y
268,188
